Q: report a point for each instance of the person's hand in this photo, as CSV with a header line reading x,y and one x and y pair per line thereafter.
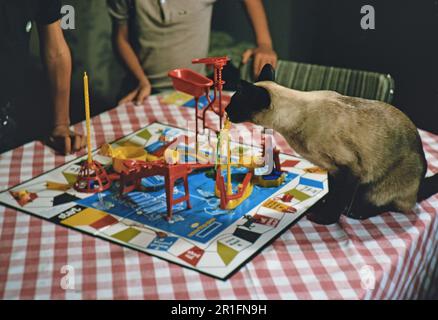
x,y
138,94
65,141
263,54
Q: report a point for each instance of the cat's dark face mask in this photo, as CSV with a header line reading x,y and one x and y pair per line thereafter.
x,y
249,99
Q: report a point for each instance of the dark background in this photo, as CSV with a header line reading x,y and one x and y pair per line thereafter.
x,y
327,32
404,43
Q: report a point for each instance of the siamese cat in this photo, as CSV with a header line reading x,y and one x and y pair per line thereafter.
x,y
371,150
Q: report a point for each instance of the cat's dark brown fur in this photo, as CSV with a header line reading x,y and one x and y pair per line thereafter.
x,y
372,151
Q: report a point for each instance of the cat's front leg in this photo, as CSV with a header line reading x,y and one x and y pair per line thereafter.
x,y
329,209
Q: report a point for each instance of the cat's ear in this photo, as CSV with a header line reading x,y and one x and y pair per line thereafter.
x,y
232,76
267,73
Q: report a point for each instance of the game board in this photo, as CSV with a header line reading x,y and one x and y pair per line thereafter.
x,y
205,238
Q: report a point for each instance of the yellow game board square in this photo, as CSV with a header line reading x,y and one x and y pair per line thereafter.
x,y
128,143
226,253
126,235
145,134
177,98
84,218
297,194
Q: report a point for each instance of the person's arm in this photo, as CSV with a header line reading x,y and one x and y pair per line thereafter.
x,y
56,58
264,53
127,53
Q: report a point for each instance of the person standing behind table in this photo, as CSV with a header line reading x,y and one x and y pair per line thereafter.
x,y
153,37
20,115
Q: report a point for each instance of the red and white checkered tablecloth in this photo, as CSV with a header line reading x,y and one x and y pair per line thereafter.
x,y
309,261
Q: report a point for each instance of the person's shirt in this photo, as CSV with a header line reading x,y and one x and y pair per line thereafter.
x,y
167,34
17,20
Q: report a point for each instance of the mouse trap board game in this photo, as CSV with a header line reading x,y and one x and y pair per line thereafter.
x,y
202,229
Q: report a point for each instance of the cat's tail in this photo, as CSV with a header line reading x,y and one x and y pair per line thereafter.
x,y
428,187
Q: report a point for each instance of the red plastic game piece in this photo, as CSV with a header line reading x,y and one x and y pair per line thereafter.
x,y
287,198
92,178
135,171
190,82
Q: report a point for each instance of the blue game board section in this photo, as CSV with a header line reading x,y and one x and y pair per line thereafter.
x,y
162,244
201,223
311,183
168,133
154,146
203,102
153,182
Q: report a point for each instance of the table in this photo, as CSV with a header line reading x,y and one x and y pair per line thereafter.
x,y
393,256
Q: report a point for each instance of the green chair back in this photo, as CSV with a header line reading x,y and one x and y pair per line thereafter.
x,y
309,77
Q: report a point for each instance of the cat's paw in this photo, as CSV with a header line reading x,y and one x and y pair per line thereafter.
x,y
323,219
326,212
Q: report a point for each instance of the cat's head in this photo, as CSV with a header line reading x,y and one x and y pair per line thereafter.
x,y
250,99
